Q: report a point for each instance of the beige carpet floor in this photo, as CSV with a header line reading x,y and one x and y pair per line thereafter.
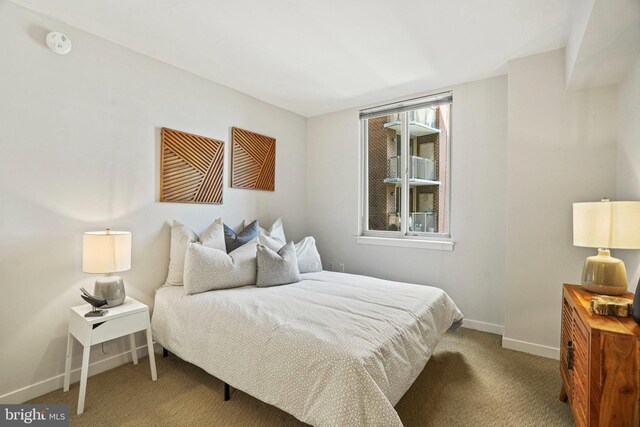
x,y
469,381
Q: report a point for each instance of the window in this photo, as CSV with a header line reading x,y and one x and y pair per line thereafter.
x,y
406,168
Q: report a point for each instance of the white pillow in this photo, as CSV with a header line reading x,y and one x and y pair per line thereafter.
x,y
181,236
308,257
207,269
276,231
213,236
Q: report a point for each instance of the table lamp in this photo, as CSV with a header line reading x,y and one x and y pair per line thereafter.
x,y
107,252
606,225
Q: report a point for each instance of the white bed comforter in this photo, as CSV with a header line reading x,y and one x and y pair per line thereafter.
x,y
333,350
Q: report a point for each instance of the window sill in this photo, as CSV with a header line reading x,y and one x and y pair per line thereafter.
x,y
440,245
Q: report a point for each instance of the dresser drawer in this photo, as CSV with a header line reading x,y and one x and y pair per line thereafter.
x,y
119,327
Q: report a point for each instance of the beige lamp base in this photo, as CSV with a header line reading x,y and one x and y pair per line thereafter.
x,y
603,274
604,289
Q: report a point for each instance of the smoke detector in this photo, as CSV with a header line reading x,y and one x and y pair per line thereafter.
x,y
59,43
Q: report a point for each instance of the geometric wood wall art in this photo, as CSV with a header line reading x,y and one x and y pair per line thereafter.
x,y
253,163
190,168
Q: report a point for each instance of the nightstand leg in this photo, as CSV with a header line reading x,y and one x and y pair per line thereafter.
x,y
83,378
152,357
563,394
134,352
67,363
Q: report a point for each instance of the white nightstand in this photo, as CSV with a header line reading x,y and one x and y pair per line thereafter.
x,y
132,316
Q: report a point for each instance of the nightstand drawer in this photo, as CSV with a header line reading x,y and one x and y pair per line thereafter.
x,y
121,326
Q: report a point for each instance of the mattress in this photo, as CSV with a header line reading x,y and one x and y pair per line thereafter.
x,y
334,349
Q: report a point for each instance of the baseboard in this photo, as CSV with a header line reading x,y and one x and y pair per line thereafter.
x,y
511,344
528,347
483,326
43,387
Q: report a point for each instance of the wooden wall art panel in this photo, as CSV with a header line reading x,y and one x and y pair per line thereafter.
x,y
190,168
253,163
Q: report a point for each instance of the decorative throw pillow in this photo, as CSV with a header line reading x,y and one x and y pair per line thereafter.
x,y
308,257
234,240
276,231
213,236
277,268
181,236
207,269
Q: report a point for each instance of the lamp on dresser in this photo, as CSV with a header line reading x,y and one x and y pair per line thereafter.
x,y
606,225
107,252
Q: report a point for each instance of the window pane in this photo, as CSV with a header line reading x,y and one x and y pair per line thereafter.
x,y
384,175
428,177
423,171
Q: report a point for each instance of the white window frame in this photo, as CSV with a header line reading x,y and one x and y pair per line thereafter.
x,y
402,238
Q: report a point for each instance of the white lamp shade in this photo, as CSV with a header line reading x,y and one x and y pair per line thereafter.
x,y
611,225
106,251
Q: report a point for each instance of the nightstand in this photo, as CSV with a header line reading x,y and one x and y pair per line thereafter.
x,y
125,319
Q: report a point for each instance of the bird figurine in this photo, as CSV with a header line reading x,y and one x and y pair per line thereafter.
x,y
95,303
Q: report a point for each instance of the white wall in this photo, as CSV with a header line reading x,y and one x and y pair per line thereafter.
x,y
578,26
628,179
474,273
80,151
562,149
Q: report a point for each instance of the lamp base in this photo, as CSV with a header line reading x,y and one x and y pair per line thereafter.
x,y
603,274
110,288
604,289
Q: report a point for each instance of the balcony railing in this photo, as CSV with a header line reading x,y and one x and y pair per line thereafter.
x,y
421,222
424,117
420,169
421,122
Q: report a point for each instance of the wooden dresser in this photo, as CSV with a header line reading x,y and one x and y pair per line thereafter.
x,y
599,363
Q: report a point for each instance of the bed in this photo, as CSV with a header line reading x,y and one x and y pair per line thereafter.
x,y
334,349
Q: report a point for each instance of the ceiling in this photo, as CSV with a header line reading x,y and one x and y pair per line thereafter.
x,y
314,57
